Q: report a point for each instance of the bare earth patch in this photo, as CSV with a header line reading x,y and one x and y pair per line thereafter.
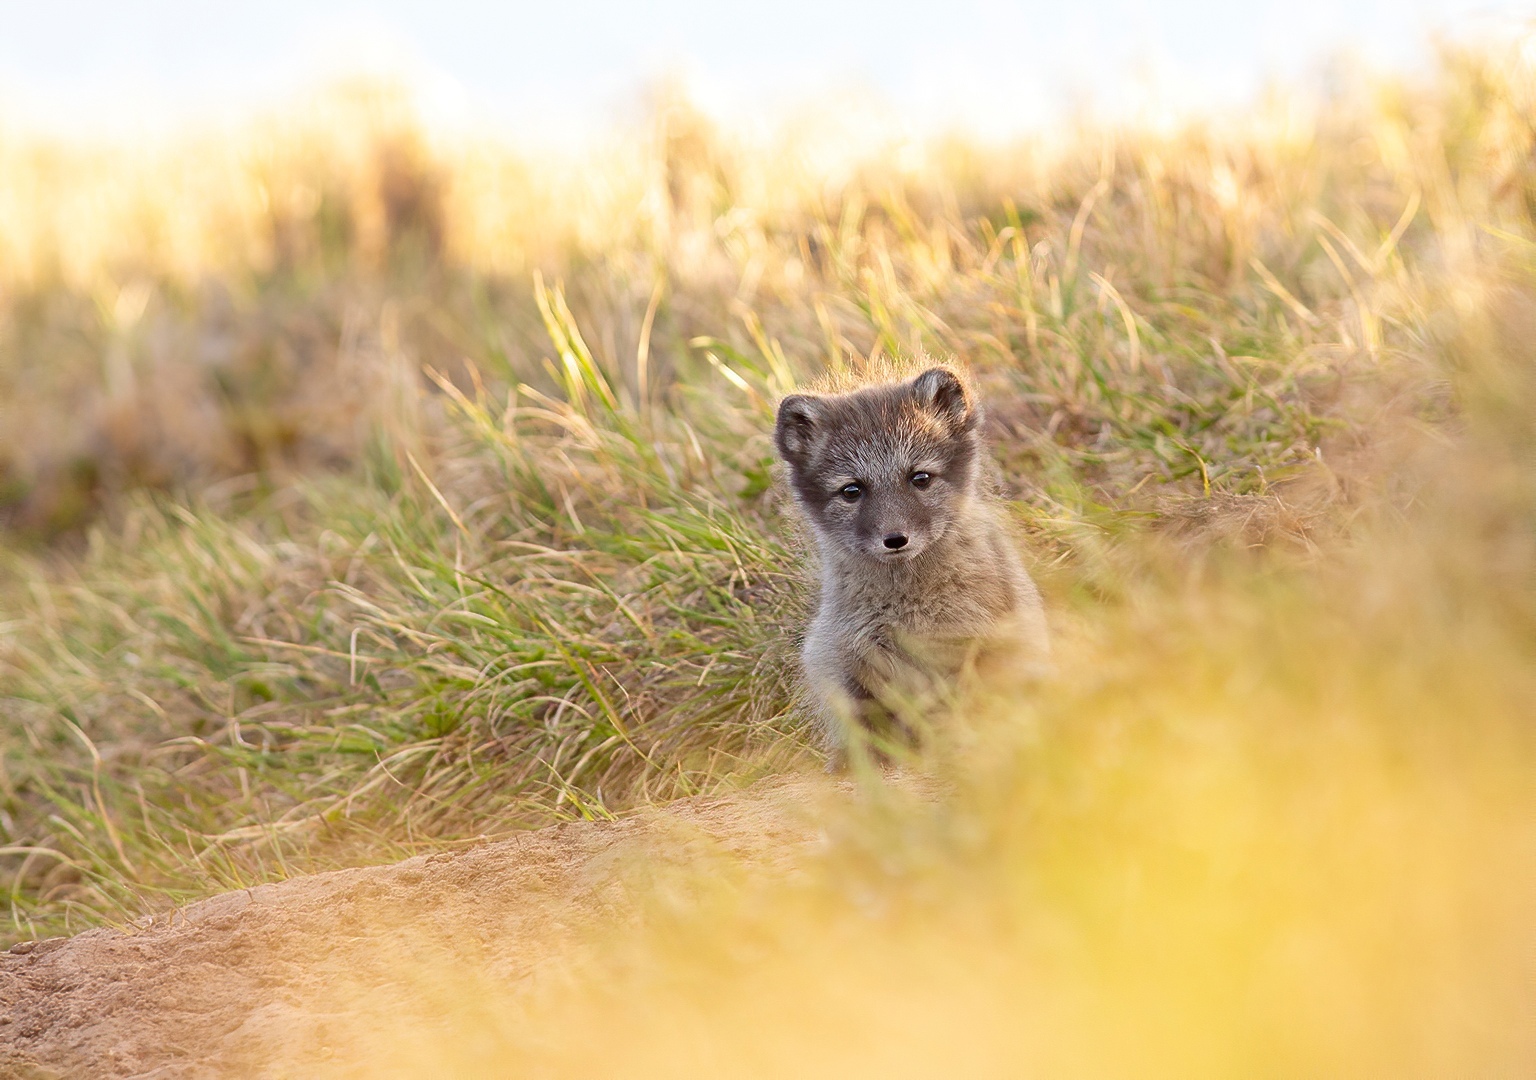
x,y
275,980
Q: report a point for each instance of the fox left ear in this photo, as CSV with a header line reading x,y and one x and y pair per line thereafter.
x,y
940,391
795,428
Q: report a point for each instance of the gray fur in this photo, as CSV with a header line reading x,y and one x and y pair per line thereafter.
x,y
920,580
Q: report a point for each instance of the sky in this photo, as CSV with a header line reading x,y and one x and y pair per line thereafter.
x,y
563,69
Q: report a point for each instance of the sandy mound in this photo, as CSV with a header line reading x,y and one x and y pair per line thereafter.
x,y
257,983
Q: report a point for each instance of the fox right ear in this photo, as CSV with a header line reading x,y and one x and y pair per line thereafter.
x,y
796,426
942,391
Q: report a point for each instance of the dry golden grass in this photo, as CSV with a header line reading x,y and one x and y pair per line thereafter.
x,y
370,493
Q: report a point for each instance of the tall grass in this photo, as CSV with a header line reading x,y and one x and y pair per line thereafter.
x,y
367,492
1262,825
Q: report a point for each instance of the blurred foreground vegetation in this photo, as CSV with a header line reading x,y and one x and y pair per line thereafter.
x,y
365,492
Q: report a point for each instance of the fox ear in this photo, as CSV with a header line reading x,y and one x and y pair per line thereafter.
x,y
940,391
796,427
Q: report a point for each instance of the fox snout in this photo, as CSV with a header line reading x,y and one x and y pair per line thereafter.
x,y
897,546
894,541
886,522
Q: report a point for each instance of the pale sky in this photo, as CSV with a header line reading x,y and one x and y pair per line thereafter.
x,y
562,67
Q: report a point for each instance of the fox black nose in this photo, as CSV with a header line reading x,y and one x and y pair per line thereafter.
x,y
895,540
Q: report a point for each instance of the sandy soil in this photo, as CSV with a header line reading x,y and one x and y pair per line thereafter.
x,y
258,982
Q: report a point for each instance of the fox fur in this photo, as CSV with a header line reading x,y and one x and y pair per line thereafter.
x,y
920,582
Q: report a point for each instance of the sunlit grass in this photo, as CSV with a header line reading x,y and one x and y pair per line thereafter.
x,y
1222,845
367,494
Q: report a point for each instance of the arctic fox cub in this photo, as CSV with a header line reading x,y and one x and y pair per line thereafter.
x,y
920,582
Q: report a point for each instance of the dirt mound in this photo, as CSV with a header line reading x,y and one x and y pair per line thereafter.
x,y
263,981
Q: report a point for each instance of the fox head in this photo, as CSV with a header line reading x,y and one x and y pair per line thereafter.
x,y
884,471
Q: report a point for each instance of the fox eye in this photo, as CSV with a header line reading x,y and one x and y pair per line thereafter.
x,y
851,492
921,480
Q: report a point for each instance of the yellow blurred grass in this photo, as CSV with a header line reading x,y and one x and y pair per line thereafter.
x,y
1271,828
1262,394
199,305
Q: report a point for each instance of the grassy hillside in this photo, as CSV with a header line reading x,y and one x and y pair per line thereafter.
x,y
366,491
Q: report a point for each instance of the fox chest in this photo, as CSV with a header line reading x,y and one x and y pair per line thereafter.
x,y
902,619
